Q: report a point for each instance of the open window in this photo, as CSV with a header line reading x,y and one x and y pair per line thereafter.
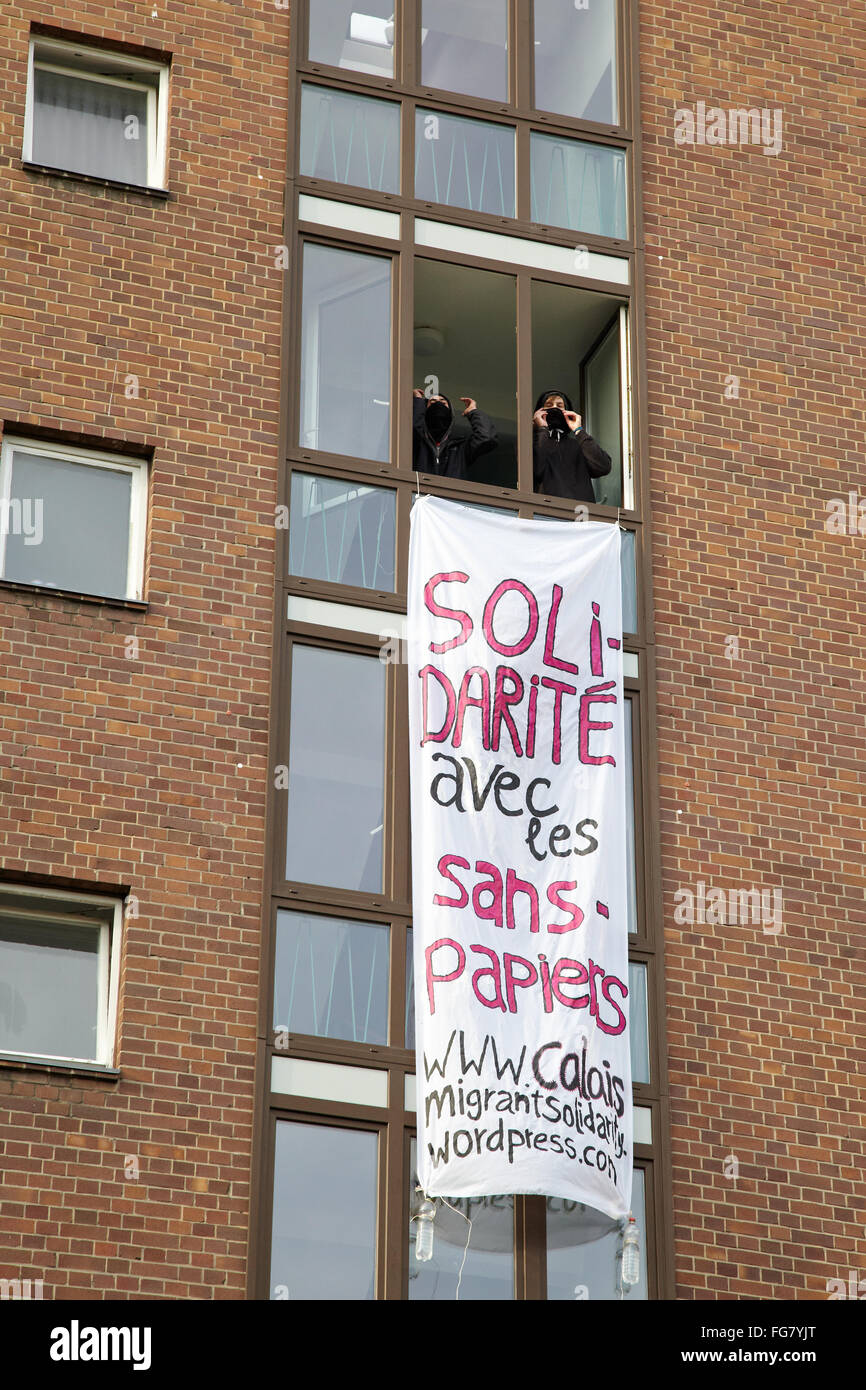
x,y
59,973
465,345
580,347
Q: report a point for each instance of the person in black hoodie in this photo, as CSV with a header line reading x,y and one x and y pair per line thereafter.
x,y
435,449
565,459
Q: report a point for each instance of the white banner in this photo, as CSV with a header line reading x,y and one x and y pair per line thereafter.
x,y
519,856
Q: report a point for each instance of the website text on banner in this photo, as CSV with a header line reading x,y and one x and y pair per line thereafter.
x,y
518,850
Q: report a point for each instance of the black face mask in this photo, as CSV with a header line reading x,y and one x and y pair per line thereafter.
x,y
438,419
556,420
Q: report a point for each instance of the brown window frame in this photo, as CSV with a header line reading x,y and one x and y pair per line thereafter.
x,y
393,906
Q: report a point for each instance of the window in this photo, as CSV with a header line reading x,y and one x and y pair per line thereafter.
x,y
353,34
576,59
346,138
336,779
580,347
96,112
578,185
468,164
463,219
488,1271
323,1243
331,977
59,971
346,353
72,520
341,532
464,48
584,1250
465,345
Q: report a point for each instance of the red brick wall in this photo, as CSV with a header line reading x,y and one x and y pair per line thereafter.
x,y
150,773
126,772
755,270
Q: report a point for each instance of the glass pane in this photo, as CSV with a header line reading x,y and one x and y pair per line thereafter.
x,y
346,353
348,36
628,569
331,977
90,127
323,1239
575,59
578,185
575,354
638,1021
603,402
630,853
489,1269
341,532
465,163
336,769
350,139
584,1250
49,977
464,48
410,990
465,345
74,531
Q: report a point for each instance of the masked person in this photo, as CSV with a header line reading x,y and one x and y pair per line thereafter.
x,y
565,459
435,449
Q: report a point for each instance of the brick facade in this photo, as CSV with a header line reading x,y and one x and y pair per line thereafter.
x,y
149,771
755,270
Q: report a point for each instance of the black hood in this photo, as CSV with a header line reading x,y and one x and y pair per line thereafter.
x,y
553,391
446,410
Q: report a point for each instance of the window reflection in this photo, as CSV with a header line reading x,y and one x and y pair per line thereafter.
x,y
584,1250
342,532
464,47
331,977
575,60
638,1021
578,185
346,353
488,1271
336,769
350,139
630,852
49,987
323,1241
353,34
465,163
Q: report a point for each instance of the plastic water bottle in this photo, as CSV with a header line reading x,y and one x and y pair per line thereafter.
x,y
424,1232
631,1253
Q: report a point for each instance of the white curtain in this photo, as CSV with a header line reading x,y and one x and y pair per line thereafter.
x,y
90,127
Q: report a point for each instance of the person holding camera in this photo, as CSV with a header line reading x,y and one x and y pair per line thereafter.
x,y
565,459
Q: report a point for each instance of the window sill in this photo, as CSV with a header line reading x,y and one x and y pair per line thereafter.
x,y
133,604
94,1069
96,179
